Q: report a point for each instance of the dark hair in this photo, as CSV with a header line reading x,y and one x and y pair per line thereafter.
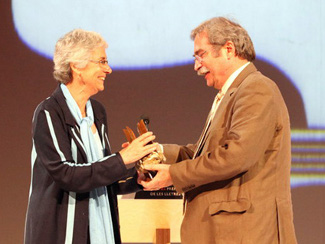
x,y
220,30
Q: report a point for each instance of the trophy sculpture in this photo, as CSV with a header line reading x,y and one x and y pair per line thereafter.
x,y
152,158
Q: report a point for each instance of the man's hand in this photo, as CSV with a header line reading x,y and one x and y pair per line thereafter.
x,y
141,177
162,178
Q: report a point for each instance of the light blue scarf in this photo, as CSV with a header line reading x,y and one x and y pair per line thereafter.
x,y
100,219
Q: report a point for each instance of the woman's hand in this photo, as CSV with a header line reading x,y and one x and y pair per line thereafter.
x,y
138,148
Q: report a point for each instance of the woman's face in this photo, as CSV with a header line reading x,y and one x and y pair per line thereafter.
x,y
94,74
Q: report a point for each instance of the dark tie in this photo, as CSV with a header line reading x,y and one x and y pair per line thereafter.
x,y
207,124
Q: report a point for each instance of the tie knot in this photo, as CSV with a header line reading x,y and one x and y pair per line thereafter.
x,y
219,95
89,120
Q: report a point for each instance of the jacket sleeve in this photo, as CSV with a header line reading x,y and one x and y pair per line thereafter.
x,y
176,153
129,184
52,139
250,127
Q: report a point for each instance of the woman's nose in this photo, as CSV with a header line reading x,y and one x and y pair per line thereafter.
x,y
108,69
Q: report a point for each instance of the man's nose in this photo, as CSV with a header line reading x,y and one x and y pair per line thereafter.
x,y
197,65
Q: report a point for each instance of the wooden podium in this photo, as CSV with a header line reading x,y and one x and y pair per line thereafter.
x,y
150,220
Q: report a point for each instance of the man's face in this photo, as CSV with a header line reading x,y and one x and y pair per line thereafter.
x,y
210,63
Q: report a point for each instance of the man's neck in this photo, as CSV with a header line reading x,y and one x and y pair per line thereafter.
x,y
233,75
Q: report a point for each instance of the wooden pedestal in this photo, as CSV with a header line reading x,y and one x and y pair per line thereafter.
x,y
150,221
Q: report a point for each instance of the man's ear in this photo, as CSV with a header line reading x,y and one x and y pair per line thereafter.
x,y
230,48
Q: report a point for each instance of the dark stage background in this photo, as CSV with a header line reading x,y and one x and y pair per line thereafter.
x,y
175,99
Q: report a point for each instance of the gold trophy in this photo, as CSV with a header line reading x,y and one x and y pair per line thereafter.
x,y
152,158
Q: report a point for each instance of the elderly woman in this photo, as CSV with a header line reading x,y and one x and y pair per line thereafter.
x,y
75,177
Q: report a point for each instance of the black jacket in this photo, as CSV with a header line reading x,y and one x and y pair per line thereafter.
x,y
62,178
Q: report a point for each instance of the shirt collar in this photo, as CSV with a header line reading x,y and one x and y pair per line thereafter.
x,y
232,77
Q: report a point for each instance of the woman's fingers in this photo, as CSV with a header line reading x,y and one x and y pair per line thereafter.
x,y
145,138
150,148
125,144
138,148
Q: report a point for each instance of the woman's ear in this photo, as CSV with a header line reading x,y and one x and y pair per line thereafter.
x,y
74,70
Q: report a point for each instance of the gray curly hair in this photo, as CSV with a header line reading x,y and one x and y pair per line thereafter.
x,y
220,30
75,47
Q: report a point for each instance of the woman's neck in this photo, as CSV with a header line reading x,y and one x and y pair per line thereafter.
x,y
79,95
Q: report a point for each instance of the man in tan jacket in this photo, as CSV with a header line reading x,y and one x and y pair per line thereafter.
x,y
236,178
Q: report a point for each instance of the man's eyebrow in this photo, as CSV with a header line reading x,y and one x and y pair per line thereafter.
x,y
198,51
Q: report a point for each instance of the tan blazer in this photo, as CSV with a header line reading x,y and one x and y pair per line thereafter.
x,y
238,188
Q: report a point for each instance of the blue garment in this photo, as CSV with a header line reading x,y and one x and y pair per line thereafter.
x,y
100,220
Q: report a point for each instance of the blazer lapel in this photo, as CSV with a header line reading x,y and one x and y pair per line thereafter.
x,y
100,123
232,89
220,114
242,76
70,121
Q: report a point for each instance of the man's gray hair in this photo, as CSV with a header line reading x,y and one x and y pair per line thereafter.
x,y
76,48
220,30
